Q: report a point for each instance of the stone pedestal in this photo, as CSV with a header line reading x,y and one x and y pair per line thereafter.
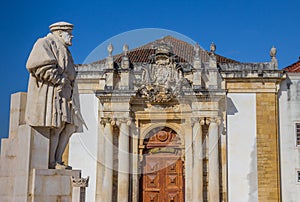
x,y
24,173
52,185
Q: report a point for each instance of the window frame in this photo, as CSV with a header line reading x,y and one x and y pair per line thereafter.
x,y
298,176
297,134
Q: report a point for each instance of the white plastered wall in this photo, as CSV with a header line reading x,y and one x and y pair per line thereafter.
x,y
289,114
241,134
83,146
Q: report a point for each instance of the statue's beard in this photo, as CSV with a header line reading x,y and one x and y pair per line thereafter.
x,y
68,43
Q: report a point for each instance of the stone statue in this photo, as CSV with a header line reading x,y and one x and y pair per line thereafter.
x,y
52,99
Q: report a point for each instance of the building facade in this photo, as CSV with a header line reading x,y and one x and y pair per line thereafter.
x,y
289,102
169,121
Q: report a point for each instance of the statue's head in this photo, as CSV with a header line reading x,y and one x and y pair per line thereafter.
x,y
63,30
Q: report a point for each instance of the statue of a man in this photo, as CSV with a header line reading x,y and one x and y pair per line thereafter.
x,y
51,98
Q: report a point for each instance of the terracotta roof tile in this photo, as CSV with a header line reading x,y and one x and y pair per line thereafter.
x,y
293,68
182,49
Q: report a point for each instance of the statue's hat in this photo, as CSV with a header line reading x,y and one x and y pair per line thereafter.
x,y
61,26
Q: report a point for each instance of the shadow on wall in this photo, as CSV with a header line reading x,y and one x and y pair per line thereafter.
x,y
231,109
252,176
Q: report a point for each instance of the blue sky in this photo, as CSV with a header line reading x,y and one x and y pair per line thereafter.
x,y
242,30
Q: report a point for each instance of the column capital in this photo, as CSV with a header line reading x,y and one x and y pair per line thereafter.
x,y
107,120
80,182
200,120
216,120
194,120
127,120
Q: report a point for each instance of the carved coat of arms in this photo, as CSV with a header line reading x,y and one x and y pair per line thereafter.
x,y
162,79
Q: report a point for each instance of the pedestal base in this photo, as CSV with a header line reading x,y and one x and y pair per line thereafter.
x,y
52,185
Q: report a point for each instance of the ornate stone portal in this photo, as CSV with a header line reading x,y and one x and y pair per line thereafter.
x,y
161,92
147,95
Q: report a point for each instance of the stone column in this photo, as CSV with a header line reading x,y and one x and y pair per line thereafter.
x,y
100,160
197,159
213,160
79,185
188,161
135,167
108,161
123,156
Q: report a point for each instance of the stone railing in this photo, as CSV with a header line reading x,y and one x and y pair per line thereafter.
x,y
247,66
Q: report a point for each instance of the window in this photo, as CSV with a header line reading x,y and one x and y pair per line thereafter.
x,y
298,176
298,134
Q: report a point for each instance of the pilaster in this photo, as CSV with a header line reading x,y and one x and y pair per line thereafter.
x,y
267,147
79,185
188,160
107,185
213,159
123,156
197,159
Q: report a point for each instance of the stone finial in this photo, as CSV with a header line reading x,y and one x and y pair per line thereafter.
x,y
274,61
125,49
273,52
213,48
110,59
110,49
213,58
197,58
125,64
197,49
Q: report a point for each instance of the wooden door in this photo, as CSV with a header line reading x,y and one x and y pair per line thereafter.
x,y
162,179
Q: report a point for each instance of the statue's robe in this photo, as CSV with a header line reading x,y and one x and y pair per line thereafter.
x,y
49,102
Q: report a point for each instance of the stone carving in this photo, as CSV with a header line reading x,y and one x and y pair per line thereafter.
x,y
274,61
163,79
213,48
128,121
80,182
52,100
246,67
210,120
125,64
107,120
159,108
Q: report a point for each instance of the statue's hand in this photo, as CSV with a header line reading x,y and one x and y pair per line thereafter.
x,y
65,88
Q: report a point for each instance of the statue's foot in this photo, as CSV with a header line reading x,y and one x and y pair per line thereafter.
x,y
62,166
51,166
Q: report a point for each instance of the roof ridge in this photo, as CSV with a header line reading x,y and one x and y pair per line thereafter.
x,y
295,67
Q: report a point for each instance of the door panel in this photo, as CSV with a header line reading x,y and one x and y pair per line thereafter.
x,y
162,178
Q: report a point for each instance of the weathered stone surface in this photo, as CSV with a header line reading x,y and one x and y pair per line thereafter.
x,y
24,173
267,147
51,183
52,101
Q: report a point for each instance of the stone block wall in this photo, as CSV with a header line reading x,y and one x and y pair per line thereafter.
x,y
267,147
